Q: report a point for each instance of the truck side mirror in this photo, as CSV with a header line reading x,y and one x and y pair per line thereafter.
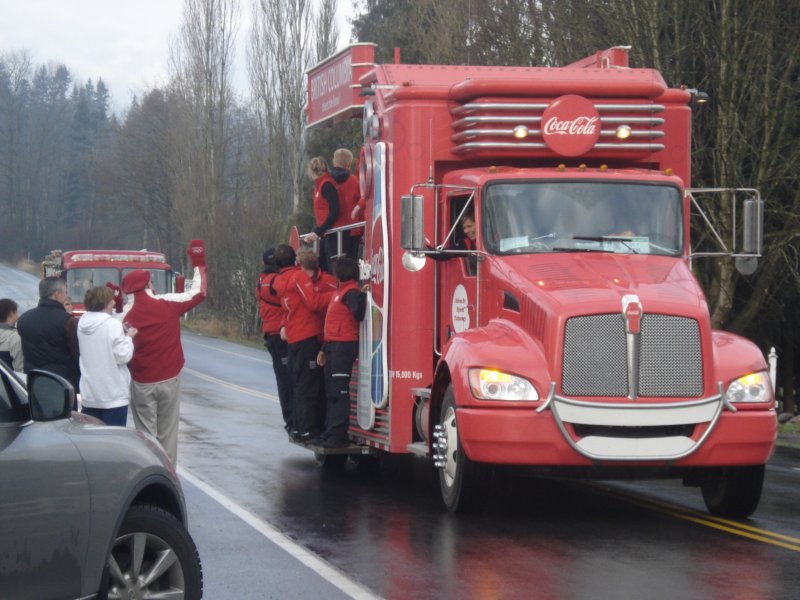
x,y
752,236
753,227
412,223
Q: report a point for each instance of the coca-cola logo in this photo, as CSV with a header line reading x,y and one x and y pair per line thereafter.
x,y
633,315
577,126
570,125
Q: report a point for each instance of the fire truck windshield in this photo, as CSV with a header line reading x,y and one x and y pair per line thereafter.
x,y
588,216
160,278
79,281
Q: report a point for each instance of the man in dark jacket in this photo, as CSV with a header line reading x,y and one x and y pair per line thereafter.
x,y
49,333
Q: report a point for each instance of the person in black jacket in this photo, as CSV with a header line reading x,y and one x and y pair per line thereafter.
x,y
49,333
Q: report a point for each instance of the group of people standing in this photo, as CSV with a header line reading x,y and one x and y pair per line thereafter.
x,y
114,355
310,308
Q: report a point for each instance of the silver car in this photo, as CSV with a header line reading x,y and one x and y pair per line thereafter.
x,y
86,510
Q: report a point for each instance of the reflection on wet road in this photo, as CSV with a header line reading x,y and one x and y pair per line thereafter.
x,y
383,527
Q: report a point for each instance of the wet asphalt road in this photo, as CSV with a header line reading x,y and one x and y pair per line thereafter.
x,y
386,533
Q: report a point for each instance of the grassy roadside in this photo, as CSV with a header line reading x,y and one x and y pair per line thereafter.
x,y
789,435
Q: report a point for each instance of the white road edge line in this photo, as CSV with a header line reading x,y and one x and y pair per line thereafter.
x,y
324,569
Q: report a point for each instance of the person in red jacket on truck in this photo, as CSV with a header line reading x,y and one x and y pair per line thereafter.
x,y
158,355
272,315
345,311
335,195
305,293
349,192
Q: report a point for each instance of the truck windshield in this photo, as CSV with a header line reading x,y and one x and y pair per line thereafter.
x,y
80,280
591,216
159,277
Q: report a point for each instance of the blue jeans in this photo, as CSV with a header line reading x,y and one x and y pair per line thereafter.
x,y
110,416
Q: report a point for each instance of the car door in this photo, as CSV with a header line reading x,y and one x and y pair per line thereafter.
x,y
44,503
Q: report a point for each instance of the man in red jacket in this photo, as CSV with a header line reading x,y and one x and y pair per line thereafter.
x,y
305,292
349,193
345,311
158,355
272,315
336,193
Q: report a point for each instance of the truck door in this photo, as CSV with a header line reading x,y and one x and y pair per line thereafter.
x,y
457,275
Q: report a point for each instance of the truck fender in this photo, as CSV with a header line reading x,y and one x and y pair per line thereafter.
x,y
501,345
735,356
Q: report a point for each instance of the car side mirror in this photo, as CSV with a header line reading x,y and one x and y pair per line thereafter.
x,y
50,396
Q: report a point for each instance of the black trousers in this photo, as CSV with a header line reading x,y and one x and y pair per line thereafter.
x,y
279,351
339,359
309,386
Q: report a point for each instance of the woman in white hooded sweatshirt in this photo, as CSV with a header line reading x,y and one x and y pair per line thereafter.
x,y
105,350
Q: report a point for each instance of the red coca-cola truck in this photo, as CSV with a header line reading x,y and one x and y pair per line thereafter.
x,y
571,335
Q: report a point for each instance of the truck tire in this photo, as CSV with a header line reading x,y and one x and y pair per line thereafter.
x,y
733,491
464,484
157,537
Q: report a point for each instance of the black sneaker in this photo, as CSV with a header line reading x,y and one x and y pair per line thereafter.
x,y
310,437
328,443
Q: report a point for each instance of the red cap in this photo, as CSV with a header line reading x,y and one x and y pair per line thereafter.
x,y
135,281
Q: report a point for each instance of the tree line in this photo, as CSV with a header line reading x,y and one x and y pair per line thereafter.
x,y
190,159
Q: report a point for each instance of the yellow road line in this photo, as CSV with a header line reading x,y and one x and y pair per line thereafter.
x,y
231,386
741,529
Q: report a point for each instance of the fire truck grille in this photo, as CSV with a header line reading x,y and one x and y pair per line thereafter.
x,y
595,357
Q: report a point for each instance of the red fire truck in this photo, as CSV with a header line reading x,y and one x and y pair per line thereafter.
x,y
571,336
83,269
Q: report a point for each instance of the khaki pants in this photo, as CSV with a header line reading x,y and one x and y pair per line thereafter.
x,y
156,409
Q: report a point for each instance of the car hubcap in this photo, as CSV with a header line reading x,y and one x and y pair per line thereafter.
x,y
142,566
450,434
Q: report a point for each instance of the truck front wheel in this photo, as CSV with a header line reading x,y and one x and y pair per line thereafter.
x,y
465,485
733,491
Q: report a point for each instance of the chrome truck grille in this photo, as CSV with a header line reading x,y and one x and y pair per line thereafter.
x,y
595,357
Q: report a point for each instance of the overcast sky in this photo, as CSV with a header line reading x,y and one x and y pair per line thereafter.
x,y
124,42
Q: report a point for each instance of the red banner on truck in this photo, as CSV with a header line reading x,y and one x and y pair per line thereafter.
x,y
333,88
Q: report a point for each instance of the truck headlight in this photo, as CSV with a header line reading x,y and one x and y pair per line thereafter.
x,y
755,387
488,384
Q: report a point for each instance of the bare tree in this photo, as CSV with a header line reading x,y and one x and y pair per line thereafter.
x,y
202,63
280,52
327,36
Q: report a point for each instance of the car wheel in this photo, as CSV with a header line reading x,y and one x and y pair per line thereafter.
x,y
465,485
733,491
153,555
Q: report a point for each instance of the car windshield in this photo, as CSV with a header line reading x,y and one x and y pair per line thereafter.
x,y
79,281
159,277
568,216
